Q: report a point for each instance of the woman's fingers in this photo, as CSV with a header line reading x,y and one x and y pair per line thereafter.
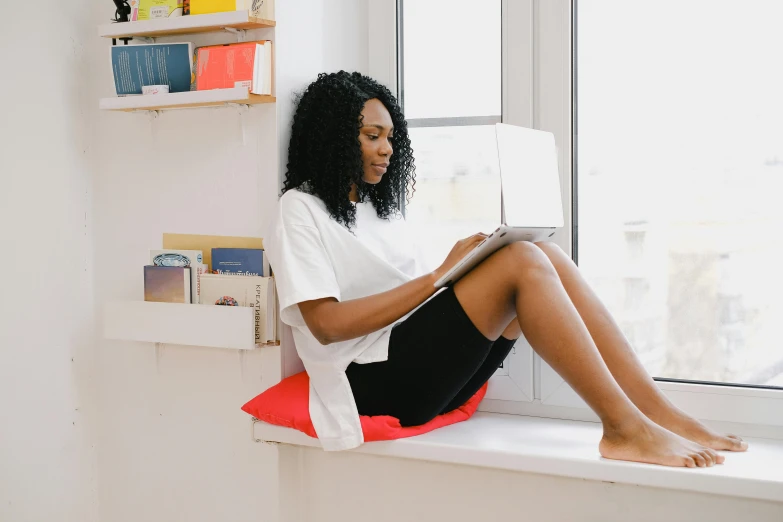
x,y
476,240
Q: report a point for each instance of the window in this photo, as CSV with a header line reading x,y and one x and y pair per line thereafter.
x,y
670,159
451,96
674,171
685,135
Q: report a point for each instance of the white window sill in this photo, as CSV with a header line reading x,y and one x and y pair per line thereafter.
x,y
568,449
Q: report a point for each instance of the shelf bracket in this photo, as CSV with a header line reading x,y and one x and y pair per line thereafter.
x,y
152,114
241,34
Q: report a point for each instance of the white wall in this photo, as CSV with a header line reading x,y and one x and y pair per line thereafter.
x,y
47,443
172,441
339,487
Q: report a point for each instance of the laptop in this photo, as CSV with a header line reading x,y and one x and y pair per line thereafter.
x,y
531,207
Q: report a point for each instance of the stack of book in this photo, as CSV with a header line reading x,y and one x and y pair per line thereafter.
x,y
237,277
154,9
183,67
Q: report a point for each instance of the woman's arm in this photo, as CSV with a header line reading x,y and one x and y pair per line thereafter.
x,y
332,321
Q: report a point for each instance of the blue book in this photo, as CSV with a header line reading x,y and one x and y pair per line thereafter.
x,y
238,261
152,64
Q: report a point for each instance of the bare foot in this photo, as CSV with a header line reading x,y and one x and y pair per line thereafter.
x,y
686,426
645,441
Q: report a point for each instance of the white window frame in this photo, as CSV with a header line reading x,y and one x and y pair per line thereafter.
x,y
537,93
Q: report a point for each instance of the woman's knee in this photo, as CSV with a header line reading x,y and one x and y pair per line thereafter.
x,y
553,251
527,259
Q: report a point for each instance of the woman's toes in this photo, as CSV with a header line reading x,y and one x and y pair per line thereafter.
x,y
689,462
709,458
736,443
717,457
699,460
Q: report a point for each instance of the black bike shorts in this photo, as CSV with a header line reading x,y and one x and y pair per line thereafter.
x,y
437,361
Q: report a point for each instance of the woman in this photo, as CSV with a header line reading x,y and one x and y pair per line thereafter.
x,y
375,336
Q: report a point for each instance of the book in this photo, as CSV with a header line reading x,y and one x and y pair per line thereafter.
x,y
167,284
155,9
254,291
247,64
257,8
265,318
207,243
239,261
152,64
189,258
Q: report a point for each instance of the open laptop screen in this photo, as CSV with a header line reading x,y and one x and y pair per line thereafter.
x,y
530,182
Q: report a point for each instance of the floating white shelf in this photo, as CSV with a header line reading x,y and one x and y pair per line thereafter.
x,y
184,100
184,25
188,324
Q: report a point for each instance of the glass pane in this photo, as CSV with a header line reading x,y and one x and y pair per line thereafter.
x,y
457,186
451,58
680,172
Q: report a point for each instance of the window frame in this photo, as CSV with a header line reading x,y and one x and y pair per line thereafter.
x,y
537,65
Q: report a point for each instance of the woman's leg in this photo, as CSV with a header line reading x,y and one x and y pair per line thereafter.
x,y
520,280
623,362
497,354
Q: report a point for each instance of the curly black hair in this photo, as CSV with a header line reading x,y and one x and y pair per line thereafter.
x,y
325,156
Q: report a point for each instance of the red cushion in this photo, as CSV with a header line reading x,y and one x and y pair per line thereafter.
x,y
287,404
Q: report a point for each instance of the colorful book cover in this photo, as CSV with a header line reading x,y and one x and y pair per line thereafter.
x,y
257,8
167,284
238,261
191,258
135,66
227,66
155,9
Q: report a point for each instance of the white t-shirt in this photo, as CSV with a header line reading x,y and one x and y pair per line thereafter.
x,y
313,256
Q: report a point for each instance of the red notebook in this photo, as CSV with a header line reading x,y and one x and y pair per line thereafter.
x,y
246,64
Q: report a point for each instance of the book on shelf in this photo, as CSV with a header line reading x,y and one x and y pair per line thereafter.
x,y
247,64
278,321
258,8
240,261
167,284
183,258
155,9
207,243
253,291
135,66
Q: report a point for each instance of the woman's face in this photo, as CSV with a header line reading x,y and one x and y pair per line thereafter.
x,y
375,137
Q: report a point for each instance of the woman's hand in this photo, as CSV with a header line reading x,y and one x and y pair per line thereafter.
x,y
460,250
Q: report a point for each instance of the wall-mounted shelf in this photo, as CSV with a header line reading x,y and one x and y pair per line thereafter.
x,y
187,324
239,20
184,100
